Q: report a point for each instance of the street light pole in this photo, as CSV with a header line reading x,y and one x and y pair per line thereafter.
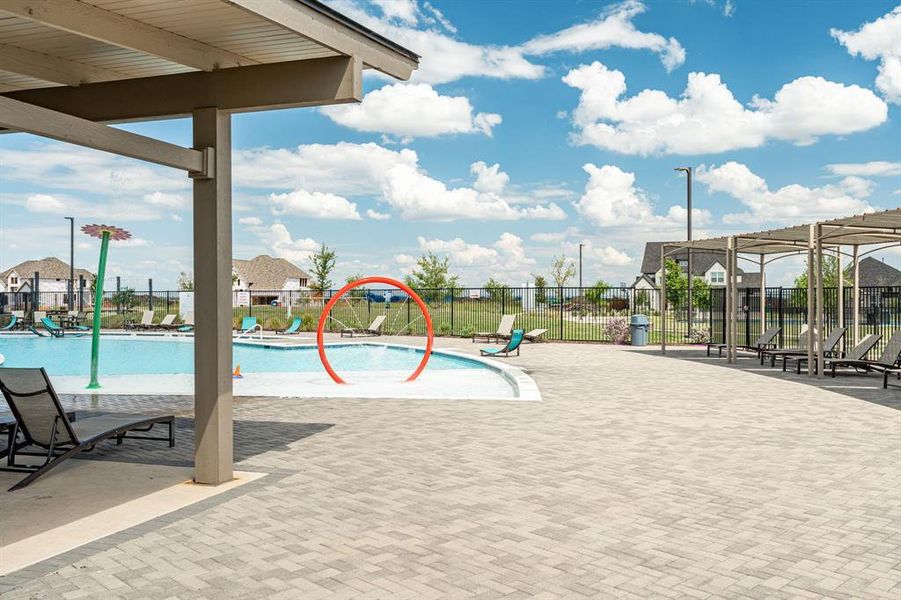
x,y
687,171
71,298
580,268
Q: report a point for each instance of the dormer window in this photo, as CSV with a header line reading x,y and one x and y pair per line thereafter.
x,y
717,277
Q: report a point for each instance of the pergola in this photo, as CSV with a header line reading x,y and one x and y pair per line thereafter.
x,y
69,67
877,230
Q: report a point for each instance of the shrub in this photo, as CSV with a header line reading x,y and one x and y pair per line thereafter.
x,y
444,328
467,331
700,335
617,329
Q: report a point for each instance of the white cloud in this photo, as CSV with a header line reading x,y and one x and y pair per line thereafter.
x,y
250,221
613,28
504,259
376,215
45,203
278,241
792,203
446,59
404,259
708,118
489,179
548,237
316,205
412,110
134,242
402,10
605,255
876,168
879,40
167,200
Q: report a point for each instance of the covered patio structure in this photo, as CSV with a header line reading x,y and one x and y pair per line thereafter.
x,y
849,237
68,68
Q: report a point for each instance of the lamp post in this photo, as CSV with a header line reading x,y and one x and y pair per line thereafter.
x,y
687,171
580,267
71,299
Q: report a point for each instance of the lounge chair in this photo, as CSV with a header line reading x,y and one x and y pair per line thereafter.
x,y
858,352
75,318
13,319
801,348
375,328
889,359
20,318
57,331
831,342
248,323
766,340
513,344
188,324
536,335
167,322
503,330
42,424
146,321
294,328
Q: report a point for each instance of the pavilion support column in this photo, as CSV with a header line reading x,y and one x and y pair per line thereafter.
x,y
855,296
213,455
762,295
727,325
733,291
661,301
811,270
820,325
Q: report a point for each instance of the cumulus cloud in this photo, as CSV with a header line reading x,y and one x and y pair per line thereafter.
x,y
507,255
605,255
548,237
412,110
792,203
376,215
250,221
279,243
879,40
44,203
876,168
316,205
612,28
489,179
611,198
167,200
446,58
707,118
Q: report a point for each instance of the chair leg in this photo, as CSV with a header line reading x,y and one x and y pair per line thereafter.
x,y
172,433
45,469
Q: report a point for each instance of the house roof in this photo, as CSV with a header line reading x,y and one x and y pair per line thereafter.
x,y
874,272
47,268
267,273
701,260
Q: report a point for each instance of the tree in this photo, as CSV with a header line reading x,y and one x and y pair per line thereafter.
x,y
700,293
431,274
540,289
185,282
830,274
357,292
676,283
562,270
494,288
598,292
125,298
323,263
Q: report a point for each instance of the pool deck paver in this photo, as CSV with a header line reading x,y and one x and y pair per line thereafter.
x,y
637,476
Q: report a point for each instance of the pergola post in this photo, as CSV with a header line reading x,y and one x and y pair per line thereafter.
x,y
811,241
734,293
855,311
213,456
820,317
762,295
728,291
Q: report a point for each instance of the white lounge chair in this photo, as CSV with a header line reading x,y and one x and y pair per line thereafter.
x,y
504,328
375,328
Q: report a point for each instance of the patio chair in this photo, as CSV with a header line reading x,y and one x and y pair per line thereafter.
x,y
76,317
536,335
858,352
167,322
829,344
13,319
801,348
293,328
188,324
764,341
375,328
57,331
248,323
146,321
889,359
42,424
513,344
503,330
20,318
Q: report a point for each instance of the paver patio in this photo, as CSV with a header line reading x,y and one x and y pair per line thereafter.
x,y
637,476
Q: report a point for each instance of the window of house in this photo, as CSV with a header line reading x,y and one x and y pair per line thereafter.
x,y
13,280
717,277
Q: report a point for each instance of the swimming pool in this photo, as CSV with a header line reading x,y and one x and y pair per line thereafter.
x,y
144,364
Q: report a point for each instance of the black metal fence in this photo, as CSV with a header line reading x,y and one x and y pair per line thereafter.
x,y
568,313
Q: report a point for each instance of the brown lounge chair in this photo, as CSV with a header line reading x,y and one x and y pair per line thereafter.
x,y
42,424
890,359
764,341
829,349
858,352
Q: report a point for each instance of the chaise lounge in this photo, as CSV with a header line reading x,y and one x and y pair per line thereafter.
x,y
829,348
42,424
513,344
890,359
503,330
763,342
375,328
858,352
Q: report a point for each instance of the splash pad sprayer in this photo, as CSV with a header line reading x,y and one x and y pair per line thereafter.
x,y
324,317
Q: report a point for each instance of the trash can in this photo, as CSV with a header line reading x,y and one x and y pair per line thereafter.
x,y
640,324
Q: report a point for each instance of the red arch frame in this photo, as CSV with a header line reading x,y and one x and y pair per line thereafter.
x,y
320,330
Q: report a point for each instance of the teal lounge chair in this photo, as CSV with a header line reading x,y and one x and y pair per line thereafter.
x,y
294,328
12,323
248,323
188,325
515,340
57,331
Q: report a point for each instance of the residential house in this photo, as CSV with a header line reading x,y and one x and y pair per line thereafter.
x,y
873,272
52,273
267,278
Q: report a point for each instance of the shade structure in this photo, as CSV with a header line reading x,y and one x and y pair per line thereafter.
x,y
841,237
69,67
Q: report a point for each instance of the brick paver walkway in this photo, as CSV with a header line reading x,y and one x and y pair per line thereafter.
x,y
636,477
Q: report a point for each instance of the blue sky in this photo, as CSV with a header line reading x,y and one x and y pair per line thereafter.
x,y
788,112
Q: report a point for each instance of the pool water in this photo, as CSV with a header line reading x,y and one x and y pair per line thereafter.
x,y
126,356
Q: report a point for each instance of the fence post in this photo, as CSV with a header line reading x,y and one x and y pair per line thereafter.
x,y
150,294
747,308
503,300
560,302
452,311
81,292
118,297
36,291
